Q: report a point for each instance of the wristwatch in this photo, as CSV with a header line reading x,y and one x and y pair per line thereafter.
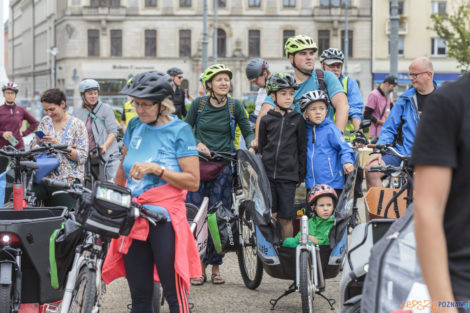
x,y
163,171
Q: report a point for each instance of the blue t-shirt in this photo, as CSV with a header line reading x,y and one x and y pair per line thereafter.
x,y
332,84
159,144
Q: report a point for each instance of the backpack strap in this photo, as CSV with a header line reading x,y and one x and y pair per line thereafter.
x,y
202,104
321,80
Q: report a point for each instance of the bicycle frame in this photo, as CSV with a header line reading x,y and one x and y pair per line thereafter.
x,y
89,254
199,227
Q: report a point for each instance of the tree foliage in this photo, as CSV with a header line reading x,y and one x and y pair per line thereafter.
x,y
454,28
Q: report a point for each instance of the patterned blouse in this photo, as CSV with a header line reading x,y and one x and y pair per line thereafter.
x,y
77,137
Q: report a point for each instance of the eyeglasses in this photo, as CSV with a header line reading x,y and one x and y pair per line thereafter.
x,y
414,75
142,105
10,93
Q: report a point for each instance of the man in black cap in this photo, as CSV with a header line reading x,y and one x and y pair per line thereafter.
x,y
176,75
378,105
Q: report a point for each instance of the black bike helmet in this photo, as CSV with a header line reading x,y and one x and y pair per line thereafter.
x,y
174,71
151,85
280,81
255,68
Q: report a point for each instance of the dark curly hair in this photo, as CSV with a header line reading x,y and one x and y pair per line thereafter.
x,y
54,95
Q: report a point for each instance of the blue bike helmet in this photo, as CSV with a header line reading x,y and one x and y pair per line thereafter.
x,y
88,84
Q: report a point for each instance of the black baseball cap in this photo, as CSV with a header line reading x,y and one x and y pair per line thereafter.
x,y
391,79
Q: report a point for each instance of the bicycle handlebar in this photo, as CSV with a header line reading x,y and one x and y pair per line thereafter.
x,y
385,169
387,149
55,183
9,151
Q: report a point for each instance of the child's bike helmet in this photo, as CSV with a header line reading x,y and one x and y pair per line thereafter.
x,y
313,96
280,81
321,191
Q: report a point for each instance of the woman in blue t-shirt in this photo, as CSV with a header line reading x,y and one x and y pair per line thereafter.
x,y
160,162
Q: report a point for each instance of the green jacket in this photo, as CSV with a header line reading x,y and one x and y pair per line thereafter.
x,y
317,227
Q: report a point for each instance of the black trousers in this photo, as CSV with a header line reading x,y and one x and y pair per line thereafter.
x,y
140,261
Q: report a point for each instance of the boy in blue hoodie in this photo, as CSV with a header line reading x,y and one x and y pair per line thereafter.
x,y
329,156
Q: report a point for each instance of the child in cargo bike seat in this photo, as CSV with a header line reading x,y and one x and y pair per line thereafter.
x,y
329,156
322,201
282,144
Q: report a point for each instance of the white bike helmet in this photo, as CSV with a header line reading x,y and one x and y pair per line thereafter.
x,y
312,96
88,84
332,55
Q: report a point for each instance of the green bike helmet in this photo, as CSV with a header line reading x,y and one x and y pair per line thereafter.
x,y
299,43
213,70
280,81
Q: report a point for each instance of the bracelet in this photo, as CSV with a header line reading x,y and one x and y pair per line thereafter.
x,y
162,172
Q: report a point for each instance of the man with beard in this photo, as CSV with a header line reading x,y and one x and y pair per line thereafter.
x,y
378,105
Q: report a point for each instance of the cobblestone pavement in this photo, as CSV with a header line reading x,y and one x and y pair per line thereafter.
x,y
233,296
230,297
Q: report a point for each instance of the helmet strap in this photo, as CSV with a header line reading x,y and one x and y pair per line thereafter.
x,y
154,123
219,101
280,108
297,68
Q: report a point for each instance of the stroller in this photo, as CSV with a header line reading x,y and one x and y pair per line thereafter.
x,y
260,237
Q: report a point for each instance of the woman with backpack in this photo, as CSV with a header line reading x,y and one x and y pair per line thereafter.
x,y
214,118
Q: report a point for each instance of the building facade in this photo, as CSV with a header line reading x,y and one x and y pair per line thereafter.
x,y
416,39
110,40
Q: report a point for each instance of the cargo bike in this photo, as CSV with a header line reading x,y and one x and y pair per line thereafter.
x,y
260,237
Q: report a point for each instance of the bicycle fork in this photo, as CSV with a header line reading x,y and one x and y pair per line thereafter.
x,y
78,262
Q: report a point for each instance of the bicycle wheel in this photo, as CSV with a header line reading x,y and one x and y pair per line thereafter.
x,y
307,290
84,292
250,265
191,211
5,298
157,297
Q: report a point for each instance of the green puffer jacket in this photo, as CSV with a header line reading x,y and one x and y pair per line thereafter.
x,y
317,227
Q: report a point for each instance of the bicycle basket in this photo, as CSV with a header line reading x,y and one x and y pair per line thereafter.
x,y
107,211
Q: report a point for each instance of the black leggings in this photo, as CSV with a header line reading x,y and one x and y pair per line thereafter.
x,y
159,249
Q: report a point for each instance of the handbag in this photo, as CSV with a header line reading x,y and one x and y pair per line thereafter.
x,y
210,170
47,162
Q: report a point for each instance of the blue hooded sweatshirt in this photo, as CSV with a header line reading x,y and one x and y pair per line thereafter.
x,y
326,157
404,109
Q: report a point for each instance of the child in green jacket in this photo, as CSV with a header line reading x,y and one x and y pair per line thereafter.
x,y
322,200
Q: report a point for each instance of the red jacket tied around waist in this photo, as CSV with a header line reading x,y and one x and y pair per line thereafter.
x,y
187,261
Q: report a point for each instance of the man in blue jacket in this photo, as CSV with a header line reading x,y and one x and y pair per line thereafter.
x,y
332,60
400,127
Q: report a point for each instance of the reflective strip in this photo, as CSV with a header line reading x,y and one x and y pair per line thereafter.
x,y
102,226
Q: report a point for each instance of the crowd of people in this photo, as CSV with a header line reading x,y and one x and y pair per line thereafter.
x,y
299,133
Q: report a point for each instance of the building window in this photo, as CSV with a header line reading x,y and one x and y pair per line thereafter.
x,y
116,42
93,42
221,43
286,34
254,3
288,3
254,39
150,43
401,46
221,3
185,42
350,42
438,7
332,3
185,3
401,8
105,3
323,40
438,47
151,3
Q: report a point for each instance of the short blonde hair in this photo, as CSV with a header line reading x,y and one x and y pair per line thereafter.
x,y
170,106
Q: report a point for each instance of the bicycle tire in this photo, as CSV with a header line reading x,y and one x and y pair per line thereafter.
x,y
84,292
306,287
5,298
251,276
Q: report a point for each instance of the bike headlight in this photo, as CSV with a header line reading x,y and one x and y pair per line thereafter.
x,y
6,238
